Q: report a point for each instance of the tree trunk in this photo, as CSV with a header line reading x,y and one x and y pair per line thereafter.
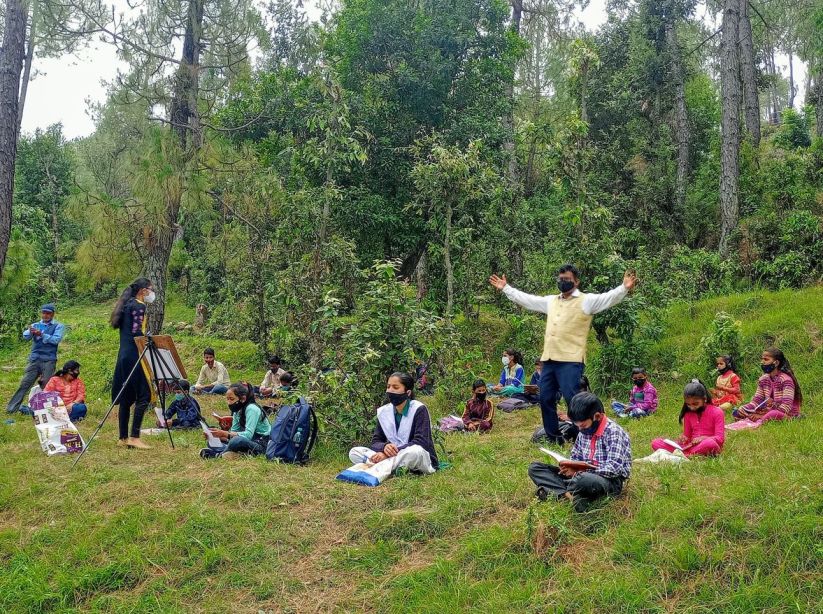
x,y
729,123
508,120
201,316
24,82
448,260
748,75
55,232
791,80
681,122
774,116
154,268
818,99
185,125
12,53
420,276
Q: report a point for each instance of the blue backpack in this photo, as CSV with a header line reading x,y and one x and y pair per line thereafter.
x,y
293,433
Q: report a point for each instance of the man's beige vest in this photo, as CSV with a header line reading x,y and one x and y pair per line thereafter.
x,y
567,330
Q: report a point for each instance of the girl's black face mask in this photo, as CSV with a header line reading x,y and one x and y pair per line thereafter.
x,y
397,398
236,407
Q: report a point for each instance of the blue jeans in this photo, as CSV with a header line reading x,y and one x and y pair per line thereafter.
x,y
562,377
78,412
216,389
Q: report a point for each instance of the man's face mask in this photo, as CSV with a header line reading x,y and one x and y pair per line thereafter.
x,y
565,285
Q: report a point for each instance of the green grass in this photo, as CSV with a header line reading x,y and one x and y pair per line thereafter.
x,y
166,532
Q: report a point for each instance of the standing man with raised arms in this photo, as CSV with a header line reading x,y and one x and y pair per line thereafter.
x,y
568,321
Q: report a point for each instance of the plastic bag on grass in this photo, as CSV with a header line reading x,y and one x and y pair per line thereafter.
x,y
55,431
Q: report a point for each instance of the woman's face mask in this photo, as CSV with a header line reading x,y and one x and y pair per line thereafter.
x,y
397,398
179,396
505,360
149,297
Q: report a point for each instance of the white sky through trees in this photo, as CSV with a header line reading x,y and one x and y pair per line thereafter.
x,y
63,88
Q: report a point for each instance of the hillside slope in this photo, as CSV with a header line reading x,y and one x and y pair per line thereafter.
x,y
166,531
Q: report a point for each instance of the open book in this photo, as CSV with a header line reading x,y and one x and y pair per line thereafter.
x,y
213,441
673,444
562,459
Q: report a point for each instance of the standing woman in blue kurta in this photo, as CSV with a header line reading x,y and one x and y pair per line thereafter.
x,y
129,316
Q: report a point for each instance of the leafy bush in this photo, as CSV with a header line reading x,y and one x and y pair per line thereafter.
x,y
723,338
794,131
388,330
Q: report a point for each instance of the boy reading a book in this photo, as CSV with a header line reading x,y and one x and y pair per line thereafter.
x,y
601,458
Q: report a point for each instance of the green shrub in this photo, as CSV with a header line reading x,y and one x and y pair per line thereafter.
x,y
723,338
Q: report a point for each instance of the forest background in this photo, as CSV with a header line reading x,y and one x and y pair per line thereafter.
x,y
341,198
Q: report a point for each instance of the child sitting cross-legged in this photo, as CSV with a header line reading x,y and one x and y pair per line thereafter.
x,y
703,424
184,407
726,392
479,411
601,443
778,393
643,401
403,432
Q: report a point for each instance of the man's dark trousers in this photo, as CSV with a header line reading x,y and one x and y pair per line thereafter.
x,y
562,377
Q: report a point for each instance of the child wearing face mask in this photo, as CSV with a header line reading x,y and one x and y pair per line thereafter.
x,y
726,392
703,424
403,434
184,407
479,412
643,401
602,444
250,429
778,393
512,378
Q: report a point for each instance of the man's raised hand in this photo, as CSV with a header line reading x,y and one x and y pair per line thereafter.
x,y
498,282
630,280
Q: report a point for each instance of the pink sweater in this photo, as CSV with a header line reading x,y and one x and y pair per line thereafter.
x,y
710,423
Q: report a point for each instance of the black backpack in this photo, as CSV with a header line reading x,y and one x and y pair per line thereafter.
x,y
293,433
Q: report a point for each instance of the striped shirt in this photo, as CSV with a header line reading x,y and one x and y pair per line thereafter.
x,y
777,388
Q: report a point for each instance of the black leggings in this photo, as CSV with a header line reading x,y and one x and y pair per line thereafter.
x,y
136,393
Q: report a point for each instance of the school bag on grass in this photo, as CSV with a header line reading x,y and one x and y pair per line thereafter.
x,y
293,433
451,424
512,404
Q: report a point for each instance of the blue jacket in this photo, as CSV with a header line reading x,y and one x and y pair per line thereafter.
x,y
187,411
44,347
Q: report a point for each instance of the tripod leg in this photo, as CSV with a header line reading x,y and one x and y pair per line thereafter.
x,y
111,407
159,363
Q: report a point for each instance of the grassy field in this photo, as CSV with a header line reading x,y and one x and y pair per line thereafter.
x,y
163,531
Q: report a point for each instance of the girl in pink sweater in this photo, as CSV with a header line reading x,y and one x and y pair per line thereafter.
x,y
703,424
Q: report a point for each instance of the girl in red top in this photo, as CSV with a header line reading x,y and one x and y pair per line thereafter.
x,y
726,392
703,424
479,411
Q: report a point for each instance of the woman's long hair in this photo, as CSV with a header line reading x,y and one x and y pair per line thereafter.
x,y
786,367
243,389
129,293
